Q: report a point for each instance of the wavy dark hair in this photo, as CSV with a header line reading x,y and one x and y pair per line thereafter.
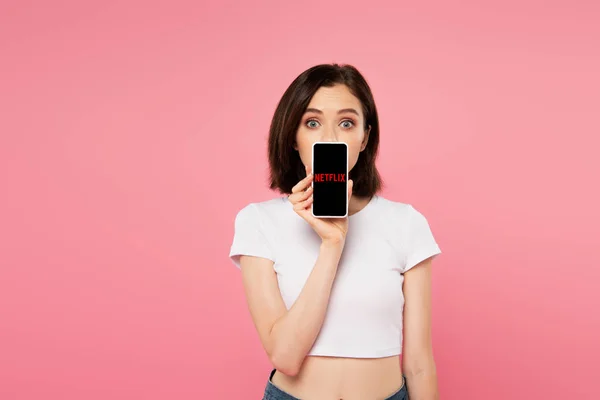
x,y
285,165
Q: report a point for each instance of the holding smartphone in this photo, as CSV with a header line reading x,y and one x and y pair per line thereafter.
x,y
330,181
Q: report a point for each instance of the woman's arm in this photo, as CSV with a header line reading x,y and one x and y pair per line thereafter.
x,y
288,335
418,363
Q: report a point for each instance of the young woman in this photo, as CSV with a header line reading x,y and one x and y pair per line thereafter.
x,y
336,301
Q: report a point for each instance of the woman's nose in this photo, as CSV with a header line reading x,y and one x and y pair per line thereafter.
x,y
329,135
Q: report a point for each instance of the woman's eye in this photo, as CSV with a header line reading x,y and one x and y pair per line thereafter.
x,y
315,123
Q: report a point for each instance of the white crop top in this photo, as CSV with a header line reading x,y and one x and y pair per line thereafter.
x,y
384,240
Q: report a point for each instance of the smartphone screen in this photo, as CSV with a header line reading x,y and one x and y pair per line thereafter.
x,y
330,181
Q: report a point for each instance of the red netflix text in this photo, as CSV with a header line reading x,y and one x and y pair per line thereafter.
x,y
330,177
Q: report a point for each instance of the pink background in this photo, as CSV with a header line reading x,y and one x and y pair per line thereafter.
x,y
131,134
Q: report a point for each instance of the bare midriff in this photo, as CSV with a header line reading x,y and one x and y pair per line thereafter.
x,y
334,378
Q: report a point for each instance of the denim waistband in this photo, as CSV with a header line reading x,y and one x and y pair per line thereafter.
x,y
272,392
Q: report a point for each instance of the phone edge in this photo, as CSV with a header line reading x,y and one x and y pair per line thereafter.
x,y
312,166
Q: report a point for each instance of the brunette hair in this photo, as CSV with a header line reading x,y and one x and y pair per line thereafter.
x,y
285,165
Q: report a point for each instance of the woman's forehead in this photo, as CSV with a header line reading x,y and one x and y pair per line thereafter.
x,y
334,100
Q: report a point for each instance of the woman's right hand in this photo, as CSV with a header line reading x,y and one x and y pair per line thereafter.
x,y
331,230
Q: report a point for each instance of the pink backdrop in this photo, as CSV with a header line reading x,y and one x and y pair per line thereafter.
x,y
132,133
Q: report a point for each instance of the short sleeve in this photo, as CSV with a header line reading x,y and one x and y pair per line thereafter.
x,y
420,243
249,238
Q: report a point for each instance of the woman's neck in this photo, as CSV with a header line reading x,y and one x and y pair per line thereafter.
x,y
357,203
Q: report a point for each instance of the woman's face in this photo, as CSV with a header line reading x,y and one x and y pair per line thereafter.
x,y
334,114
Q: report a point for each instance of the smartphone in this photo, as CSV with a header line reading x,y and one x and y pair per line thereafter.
x,y
330,180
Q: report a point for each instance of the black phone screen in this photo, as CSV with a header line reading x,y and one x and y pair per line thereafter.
x,y
330,181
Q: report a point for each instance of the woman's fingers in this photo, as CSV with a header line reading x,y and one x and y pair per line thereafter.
x,y
303,205
300,186
301,196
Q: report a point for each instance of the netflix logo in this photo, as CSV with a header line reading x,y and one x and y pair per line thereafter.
x,y
330,177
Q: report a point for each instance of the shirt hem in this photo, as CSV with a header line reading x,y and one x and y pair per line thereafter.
x,y
236,253
421,255
392,351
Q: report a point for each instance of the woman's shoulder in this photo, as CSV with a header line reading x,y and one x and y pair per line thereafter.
x,y
404,214
259,207
392,207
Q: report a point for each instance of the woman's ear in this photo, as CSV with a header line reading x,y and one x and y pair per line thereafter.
x,y
366,139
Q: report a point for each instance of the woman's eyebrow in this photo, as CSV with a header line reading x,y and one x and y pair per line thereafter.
x,y
351,110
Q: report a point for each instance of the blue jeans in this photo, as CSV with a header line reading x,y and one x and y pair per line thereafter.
x,y
272,392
